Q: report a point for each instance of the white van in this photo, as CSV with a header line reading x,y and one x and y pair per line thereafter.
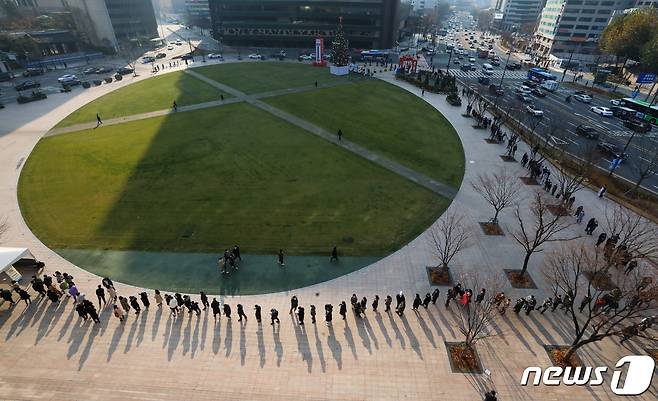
x,y
487,69
550,85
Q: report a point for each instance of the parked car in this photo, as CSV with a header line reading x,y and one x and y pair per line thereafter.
x,y
170,47
89,70
534,111
583,98
513,66
187,56
161,55
33,72
495,62
67,79
471,60
256,56
215,56
587,131
104,70
616,102
27,85
472,67
602,111
125,70
610,149
148,59
538,92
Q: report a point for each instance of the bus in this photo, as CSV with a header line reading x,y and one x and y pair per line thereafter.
x,y
645,111
374,55
540,75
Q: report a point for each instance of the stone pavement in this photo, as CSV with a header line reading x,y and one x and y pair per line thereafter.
x,y
50,354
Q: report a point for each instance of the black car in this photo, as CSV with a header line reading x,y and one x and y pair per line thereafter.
x,y
125,70
484,80
33,72
513,66
497,89
27,85
104,70
90,70
587,131
610,149
161,55
530,83
637,125
538,92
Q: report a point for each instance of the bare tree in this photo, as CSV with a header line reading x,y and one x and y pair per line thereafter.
x,y
545,228
481,107
637,235
499,189
644,168
474,319
571,174
449,237
605,313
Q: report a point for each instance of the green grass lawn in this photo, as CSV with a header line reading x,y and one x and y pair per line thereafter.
x,y
148,95
204,180
256,77
387,120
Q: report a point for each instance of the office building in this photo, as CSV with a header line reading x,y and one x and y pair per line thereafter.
x,y
198,8
512,15
368,24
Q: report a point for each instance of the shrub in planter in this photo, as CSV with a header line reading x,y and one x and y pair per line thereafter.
x,y
108,80
118,77
86,85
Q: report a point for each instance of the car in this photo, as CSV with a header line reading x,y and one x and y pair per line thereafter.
x,y
215,56
148,59
530,83
587,131
513,66
471,60
610,149
104,70
305,57
187,56
33,72
255,56
90,70
637,125
178,43
495,62
457,62
524,90
27,85
583,98
67,79
602,111
497,89
534,111
616,102
538,92
484,80
125,70
473,67
170,47
524,98
161,55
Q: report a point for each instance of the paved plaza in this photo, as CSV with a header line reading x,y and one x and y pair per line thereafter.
x,y
49,353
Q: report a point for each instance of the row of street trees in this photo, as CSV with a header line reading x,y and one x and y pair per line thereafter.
x,y
633,36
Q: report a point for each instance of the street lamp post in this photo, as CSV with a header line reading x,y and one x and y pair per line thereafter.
x,y
449,58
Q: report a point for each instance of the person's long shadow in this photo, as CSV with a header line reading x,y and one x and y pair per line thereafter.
x,y
347,332
60,309
335,347
398,333
131,334
167,331
143,318
204,331
365,339
156,323
22,322
78,336
413,341
116,338
216,339
549,337
187,335
499,332
371,332
426,330
278,347
95,330
44,325
174,336
261,344
530,330
303,346
66,325
445,322
518,334
195,336
435,324
382,327
243,343
228,338
42,305
319,350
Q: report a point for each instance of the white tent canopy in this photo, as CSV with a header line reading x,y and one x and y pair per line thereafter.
x,y
9,256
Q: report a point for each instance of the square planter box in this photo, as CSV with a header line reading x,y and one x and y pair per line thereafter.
x,y
463,360
509,159
558,210
492,141
528,181
555,352
439,276
491,228
513,275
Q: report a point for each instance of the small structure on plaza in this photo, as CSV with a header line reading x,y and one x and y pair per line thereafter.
x,y
10,258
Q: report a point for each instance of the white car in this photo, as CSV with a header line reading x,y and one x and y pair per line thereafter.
x,y
471,60
254,56
215,56
535,112
615,102
583,98
64,79
524,90
306,57
170,47
602,111
178,43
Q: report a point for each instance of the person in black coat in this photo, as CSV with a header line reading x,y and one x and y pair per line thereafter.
x,y
313,314
215,308
241,313
435,295
204,300
227,311
274,315
328,311
145,299
342,310
416,303
427,300
300,315
258,316
135,304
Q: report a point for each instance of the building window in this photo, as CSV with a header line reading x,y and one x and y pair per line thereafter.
x,y
604,12
582,26
601,20
588,11
608,3
585,19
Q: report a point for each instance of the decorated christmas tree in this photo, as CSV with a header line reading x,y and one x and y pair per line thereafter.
x,y
340,52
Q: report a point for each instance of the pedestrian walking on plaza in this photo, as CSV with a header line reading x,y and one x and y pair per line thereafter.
x,y
274,315
334,255
300,315
449,296
99,122
328,312
119,313
435,295
280,260
294,302
580,217
545,305
257,313
313,314
400,308
556,302
480,297
387,303
602,191
241,313
158,298
519,305
135,304
227,311
216,312
37,285
586,300
427,300
490,396
7,297
591,226
375,303
204,300
100,294
236,253
601,239
175,105
578,210
340,135
73,291
342,309
145,299
111,292
364,304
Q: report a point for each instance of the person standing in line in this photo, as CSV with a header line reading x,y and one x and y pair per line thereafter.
x,y
353,300
145,299
313,314
364,305
236,253
73,291
227,311
119,313
91,309
274,315
375,303
435,295
24,296
328,313
519,305
257,313
241,313
135,304
545,305
387,304
204,300
480,297
601,239
586,300
490,396
194,307
334,255
427,300
99,122
556,302
294,302
173,305
280,258
82,311
100,294
342,309
531,303
340,135
300,315
158,298
400,308
7,297
580,217
214,305
602,191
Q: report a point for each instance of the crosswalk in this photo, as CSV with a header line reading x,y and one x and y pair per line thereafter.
x,y
513,75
